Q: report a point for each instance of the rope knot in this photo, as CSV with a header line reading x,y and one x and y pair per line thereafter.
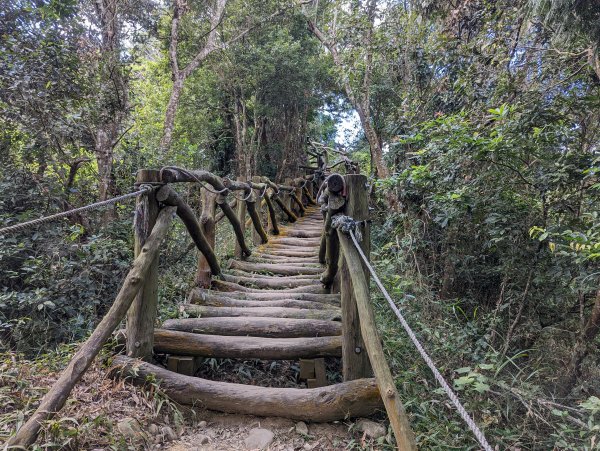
x,y
347,224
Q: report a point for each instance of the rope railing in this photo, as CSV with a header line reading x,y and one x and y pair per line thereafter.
x,y
63,214
349,226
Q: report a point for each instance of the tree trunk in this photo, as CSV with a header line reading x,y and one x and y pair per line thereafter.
x,y
169,124
381,170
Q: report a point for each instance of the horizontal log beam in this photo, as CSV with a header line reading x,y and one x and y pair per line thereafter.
x,y
331,314
270,294
275,283
290,241
356,398
223,285
230,347
256,326
223,301
242,273
286,270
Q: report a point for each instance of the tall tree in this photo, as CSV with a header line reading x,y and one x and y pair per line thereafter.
x,y
356,40
212,41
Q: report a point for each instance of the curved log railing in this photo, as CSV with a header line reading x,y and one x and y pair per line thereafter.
x,y
305,319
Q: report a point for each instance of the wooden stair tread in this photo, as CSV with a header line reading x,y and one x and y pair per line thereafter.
x,y
359,397
245,347
256,326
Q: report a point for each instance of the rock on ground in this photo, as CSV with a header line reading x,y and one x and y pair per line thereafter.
x,y
130,428
371,428
259,438
302,428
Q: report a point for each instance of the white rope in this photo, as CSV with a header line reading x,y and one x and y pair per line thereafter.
x,y
244,198
461,410
263,192
63,214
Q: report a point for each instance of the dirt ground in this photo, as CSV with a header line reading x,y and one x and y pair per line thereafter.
x,y
228,432
107,414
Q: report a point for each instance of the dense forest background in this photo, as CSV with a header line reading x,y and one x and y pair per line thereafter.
x,y
479,127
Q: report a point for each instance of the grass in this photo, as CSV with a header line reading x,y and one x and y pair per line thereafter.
x,y
91,416
507,396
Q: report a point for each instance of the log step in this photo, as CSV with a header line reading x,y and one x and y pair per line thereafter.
x,y
242,273
330,314
357,398
275,283
256,326
223,285
223,301
327,298
284,270
244,347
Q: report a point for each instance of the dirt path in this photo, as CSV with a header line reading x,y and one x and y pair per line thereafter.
x,y
222,432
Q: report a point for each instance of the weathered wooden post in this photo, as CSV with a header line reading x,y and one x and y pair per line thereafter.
x,y
142,313
297,184
241,214
256,239
207,224
355,361
287,198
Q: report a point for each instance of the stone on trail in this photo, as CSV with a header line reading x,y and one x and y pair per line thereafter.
x,y
259,438
130,428
301,428
371,428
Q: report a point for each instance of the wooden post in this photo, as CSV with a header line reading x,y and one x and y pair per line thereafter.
x,y
355,361
287,198
372,345
207,224
273,227
142,313
298,196
241,214
256,238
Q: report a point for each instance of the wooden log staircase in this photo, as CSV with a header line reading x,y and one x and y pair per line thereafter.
x,y
298,295
271,306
